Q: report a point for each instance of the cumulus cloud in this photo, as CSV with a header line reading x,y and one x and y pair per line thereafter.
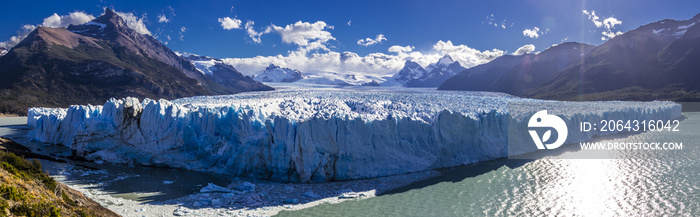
x,y
609,34
608,24
303,33
230,23
611,22
134,22
163,19
528,48
53,21
75,18
532,33
308,36
401,49
349,22
378,64
368,41
250,30
14,40
466,55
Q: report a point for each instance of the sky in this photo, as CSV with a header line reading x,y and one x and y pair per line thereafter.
x,y
371,37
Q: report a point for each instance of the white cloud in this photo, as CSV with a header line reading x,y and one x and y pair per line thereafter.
x,y
401,49
75,18
532,33
349,22
254,35
302,33
379,64
308,36
230,23
528,48
491,21
591,16
609,34
14,40
53,21
163,19
182,33
368,41
467,56
608,24
134,22
611,22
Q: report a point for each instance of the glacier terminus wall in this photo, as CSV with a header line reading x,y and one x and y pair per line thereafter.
x,y
309,135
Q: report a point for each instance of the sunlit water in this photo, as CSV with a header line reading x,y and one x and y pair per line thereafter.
x,y
663,183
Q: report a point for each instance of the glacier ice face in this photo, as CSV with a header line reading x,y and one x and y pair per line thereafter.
x,y
311,135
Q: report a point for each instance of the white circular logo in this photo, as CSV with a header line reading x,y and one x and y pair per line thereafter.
x,y
542,119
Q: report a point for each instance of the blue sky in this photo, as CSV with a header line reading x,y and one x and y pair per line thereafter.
x,y
337,26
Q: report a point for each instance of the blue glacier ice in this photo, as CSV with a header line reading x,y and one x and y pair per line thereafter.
x,y
312,135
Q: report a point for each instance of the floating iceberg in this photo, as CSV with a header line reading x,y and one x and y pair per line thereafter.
x,y
311,135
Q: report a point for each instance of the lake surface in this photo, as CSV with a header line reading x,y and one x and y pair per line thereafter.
x,y
144,184
664,184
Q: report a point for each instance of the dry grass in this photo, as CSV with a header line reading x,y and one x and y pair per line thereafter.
x,y
25,190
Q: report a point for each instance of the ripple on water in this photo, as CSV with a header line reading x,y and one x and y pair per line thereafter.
x,y
652,184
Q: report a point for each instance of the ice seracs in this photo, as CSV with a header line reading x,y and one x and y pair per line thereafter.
x,y
313,135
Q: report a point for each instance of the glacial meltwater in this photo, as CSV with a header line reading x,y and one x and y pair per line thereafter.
x,y
552,186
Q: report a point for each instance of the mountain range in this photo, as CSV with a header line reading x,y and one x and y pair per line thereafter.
x,y
222,73
414,75
518,74
100,59
275,73
657,61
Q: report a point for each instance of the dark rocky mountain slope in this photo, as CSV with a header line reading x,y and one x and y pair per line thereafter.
x,y
95,61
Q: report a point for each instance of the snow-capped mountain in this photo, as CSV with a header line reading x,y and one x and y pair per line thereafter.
x,y
413,75
275,73
410,71
222,73
204,64
339,79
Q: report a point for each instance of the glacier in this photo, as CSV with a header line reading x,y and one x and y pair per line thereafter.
x,y
314,135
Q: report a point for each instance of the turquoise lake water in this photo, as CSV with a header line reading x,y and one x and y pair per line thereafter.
x,y
658,184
